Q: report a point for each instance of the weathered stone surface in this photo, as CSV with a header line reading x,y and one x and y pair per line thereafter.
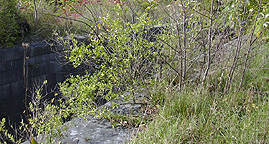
x,y
10,76
92,131
99,131
95,131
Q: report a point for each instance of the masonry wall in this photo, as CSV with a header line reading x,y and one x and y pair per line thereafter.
x,y
43,64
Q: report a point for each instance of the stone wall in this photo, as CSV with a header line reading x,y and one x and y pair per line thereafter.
x,y
43,64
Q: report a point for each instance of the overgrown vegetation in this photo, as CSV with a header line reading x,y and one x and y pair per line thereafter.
x,y
194,116
203,63
9,23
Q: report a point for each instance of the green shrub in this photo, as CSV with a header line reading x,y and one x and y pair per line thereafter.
x,y
121,59
209,93
9,17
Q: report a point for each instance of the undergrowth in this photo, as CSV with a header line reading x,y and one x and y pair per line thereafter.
x,y
202,65
194,116
197,115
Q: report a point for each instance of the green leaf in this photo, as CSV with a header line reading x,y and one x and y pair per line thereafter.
x,y
33,141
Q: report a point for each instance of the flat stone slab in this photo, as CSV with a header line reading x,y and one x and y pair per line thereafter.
x,y
94,131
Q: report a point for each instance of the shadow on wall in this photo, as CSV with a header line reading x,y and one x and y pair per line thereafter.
x,y
41,64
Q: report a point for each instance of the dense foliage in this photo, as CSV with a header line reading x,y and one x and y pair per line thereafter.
x,y
203,63
9,22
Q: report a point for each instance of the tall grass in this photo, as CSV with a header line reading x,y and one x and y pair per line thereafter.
x,y
198,115
194,116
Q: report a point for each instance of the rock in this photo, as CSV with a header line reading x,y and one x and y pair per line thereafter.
x,y
151,33
94,131
99,131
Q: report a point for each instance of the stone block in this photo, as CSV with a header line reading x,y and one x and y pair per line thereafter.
x,y
2,55
55,57
36,81
5,91
41,50
11,76
40,69
2,66
12,64
51,78
59,77
10,55
43,64
39,59
17,88
36,49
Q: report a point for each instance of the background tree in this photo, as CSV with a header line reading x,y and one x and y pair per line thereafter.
x,y
9,22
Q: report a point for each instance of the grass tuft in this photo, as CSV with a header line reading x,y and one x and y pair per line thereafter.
x,y
194,116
